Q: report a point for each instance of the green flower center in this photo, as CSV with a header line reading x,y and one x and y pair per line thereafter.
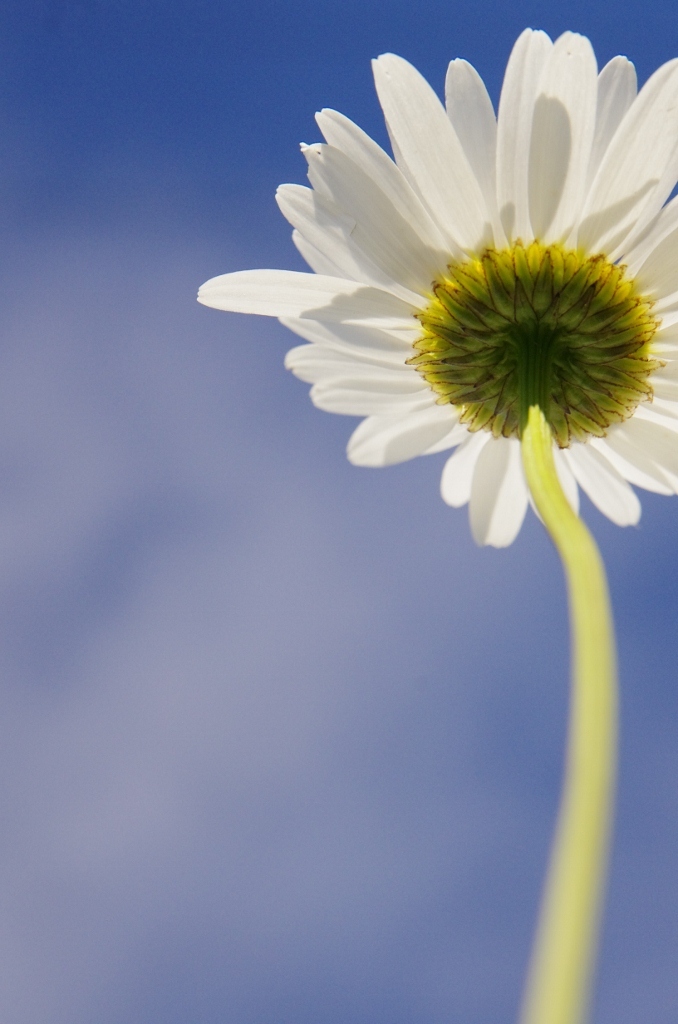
x,y
538,324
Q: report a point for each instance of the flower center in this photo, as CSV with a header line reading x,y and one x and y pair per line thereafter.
x,y
538,324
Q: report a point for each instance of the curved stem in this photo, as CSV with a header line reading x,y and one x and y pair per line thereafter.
x,y
560,975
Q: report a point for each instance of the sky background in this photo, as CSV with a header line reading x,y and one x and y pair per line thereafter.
x,y
278,743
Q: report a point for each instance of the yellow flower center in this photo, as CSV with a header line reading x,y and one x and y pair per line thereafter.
x,y
538,324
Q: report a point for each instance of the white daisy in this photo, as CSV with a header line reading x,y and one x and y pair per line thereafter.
x,y
495,263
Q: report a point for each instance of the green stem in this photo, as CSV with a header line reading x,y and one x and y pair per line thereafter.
x,y
559,980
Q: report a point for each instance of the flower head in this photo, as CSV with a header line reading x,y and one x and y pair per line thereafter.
x,y
495,263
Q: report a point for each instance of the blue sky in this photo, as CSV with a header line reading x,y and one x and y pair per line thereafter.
x,y
278,743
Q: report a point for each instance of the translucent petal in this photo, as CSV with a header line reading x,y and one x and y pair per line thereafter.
x,y
606,488
377,228
617,88
312,363
514,130
562,134
360,396
666,407
429,153
659,441
567,479
498,494
654,412
342,134
663,226
333,233
318,261
665,387
355,344
638,170
470,110
293,294
386,440
457,434
654,264
631,462
455,483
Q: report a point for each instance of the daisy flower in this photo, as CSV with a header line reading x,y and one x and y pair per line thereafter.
x,y
494,263
507,287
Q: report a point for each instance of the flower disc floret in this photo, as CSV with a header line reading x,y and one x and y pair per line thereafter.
x,y
538,324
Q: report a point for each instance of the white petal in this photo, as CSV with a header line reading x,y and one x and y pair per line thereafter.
x,y
343,134
386,440
631,463
514,129
666,336
665,343
335,233
293,294
617,88
664,387
663,227
382,379
669,318
659,442
667,408
470,110
656,412
389,348
457,434
562,134
455,483
654,262
669,371
335,369
566,478
377,228
273,292
358,396
639,168
312,363
429,153
498,494
323,225
608,491
317,260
